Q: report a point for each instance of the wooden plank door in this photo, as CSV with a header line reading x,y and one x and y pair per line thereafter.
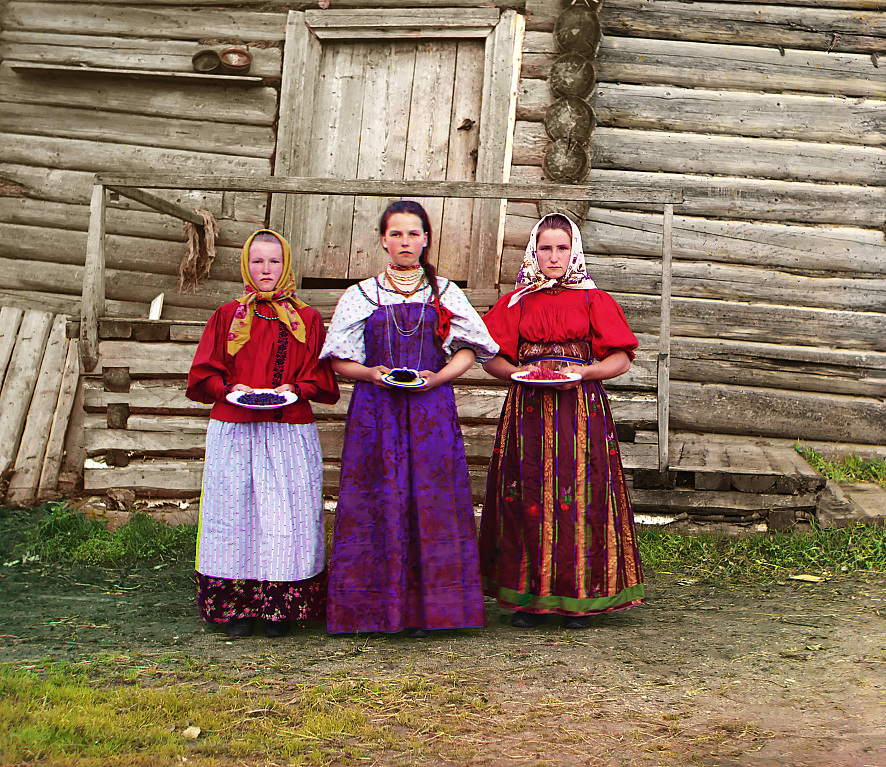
x,y
400,98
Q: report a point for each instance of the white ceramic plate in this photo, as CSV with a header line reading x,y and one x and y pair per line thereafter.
x,y
521,378
234,398
416,384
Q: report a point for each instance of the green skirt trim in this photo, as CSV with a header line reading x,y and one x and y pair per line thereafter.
x,y
563,605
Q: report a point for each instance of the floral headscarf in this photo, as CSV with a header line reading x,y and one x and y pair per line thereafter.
x,y
281,299
530,277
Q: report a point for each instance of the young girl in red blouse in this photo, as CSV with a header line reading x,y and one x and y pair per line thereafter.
x,y
557,533
261,548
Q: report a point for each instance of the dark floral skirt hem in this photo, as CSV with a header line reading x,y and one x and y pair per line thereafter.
x,y
222,599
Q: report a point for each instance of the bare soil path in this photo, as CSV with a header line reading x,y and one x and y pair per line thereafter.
x,y
781,673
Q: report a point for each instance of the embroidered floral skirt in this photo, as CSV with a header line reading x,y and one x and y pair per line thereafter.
x,y
221,599
557,533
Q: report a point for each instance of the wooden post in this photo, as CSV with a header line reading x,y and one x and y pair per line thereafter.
x,y
92,305
664,338
498,113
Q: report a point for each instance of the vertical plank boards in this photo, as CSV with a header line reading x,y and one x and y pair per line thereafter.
x,y
455,232
498,116
664,337
10,320
55,445
32,449
299,85
389,73
427,141
334,145
93,303
18,386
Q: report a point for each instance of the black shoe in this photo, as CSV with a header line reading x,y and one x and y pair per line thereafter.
x,y
242,627
523,620
276,629
576,621
417,634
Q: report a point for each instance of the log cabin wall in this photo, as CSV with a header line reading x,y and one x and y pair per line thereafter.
x,y
67,111
770,117
59,126
779,319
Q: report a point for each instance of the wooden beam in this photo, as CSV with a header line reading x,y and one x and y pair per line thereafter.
x,y
93,303
33,66
597,192
664,338
498,109
375,24
158,203
38,423
55,445
20,380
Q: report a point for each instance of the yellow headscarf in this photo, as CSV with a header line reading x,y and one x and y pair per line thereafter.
x,y
282,299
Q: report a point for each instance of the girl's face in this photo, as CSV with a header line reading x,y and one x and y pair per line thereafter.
x,y
405,239
553,248
265,264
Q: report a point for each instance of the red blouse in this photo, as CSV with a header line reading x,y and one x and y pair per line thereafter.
x,y
567,315
270,358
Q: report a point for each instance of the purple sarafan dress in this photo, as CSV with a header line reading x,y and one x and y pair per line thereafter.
x,y
404,551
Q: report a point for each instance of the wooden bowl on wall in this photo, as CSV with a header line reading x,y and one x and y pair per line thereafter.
x,y
235,61
206,62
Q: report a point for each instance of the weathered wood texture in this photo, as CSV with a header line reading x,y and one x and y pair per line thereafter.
x,y
768,117
839,27
35,436
165,23
59,127
646,61
38,375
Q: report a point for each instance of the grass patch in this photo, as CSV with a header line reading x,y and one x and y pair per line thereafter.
x,y
715,557
63,715
851,468
63,534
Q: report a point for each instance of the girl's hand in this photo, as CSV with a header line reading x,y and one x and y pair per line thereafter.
x,y
432,380
285,387
577,370
241,387
375,376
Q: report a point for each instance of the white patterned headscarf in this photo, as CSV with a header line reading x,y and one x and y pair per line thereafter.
x,y
531,278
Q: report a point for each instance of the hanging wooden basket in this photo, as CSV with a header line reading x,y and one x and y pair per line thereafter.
x,y
572,74
578,29
565,162
570,118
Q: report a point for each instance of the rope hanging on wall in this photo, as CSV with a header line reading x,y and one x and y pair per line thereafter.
x,y
199,251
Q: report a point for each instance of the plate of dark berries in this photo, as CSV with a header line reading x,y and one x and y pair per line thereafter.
x,y
404,378
262,399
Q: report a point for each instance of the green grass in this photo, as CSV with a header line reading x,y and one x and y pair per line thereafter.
x,y
820,551
851,468
63,534
63,715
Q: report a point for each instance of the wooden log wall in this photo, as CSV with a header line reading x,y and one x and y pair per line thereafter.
x,y
769,117
67,114
141,433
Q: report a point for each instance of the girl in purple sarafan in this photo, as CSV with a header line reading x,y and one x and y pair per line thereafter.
x,y
261,547
404,552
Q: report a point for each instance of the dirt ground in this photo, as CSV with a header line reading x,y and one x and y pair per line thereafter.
x,y
779,673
